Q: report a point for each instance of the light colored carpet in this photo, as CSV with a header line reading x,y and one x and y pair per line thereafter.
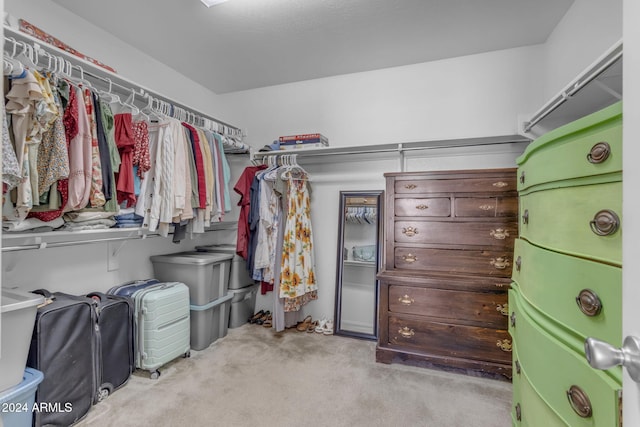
x,y
258,378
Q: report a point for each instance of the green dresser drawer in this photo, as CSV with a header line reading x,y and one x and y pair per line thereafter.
x,y
554,371
576,220
575,150
586,296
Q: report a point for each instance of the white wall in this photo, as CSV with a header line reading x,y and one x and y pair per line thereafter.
x,y
586,31
128,61
470,96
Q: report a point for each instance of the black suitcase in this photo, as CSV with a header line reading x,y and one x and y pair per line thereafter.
x,y
63,345
116,359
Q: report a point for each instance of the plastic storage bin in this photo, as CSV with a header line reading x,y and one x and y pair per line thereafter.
x,y
17,402
209,322
239,277
242,305
206,274
18,313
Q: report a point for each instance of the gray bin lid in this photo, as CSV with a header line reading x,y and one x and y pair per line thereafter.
x,y
192,258
17,299
227,249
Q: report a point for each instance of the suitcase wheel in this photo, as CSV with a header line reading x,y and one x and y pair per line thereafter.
x,y
103,393
154,375
187,354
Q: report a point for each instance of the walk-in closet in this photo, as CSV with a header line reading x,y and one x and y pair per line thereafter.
x,y
320,213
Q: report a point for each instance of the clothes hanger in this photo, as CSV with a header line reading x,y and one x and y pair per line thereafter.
x,y
108,95
129,103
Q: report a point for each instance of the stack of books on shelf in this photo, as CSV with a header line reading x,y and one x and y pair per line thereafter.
x,y
309,140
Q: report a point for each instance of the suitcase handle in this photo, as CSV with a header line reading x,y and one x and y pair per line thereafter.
x,y
45,293
97,296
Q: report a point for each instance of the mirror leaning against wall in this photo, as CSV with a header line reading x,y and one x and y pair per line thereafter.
x,y
359,258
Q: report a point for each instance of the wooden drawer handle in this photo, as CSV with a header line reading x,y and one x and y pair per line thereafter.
x,y
579,401
410,258
422,207
503,309
406,300
409,231
518,412
605,223
599,153
525,216
500,263
499,234
505,345
406,332
410,186
589,302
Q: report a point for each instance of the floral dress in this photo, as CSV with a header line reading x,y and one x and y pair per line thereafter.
x,y
297,277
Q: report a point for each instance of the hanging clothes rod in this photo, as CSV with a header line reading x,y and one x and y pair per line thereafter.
x,y
587,76
399,148
69,64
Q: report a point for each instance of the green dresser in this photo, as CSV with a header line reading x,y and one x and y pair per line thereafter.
x,y
567,274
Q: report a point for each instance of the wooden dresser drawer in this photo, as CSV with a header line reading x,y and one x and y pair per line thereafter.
x,y
555,370
496,263
449,340
483,308
486,206
455,185
494,233
575,150
586,296
577,220
435,206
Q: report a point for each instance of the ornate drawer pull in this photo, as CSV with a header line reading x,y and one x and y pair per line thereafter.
x,y
500,184
605,223
499,285
410,186
500,263
589,302
422,207
409,258
406,300
518,412
579,401
503,309
485,207
499,234
517,363
406,332
518,263
525,216
599,153
409,231
505,345
522,177
513,319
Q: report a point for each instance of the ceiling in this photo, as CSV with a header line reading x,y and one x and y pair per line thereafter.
x,y
247,44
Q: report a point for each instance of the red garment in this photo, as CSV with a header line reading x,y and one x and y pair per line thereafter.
x,y
123,131
63,188
200,170
70,117
141,156
243,187
265,287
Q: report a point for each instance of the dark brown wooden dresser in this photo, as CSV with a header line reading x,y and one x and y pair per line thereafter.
x,y
448,253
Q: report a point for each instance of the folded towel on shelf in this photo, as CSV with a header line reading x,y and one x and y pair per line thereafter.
x,y
10,226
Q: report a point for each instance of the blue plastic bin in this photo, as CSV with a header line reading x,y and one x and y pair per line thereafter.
x,y
16,403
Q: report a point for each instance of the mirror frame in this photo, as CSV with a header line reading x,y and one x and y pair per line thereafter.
x,y
344,195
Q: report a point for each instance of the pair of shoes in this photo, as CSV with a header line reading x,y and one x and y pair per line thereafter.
x,y
312,326
304,325
268,322
256,316
266,315
325,327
